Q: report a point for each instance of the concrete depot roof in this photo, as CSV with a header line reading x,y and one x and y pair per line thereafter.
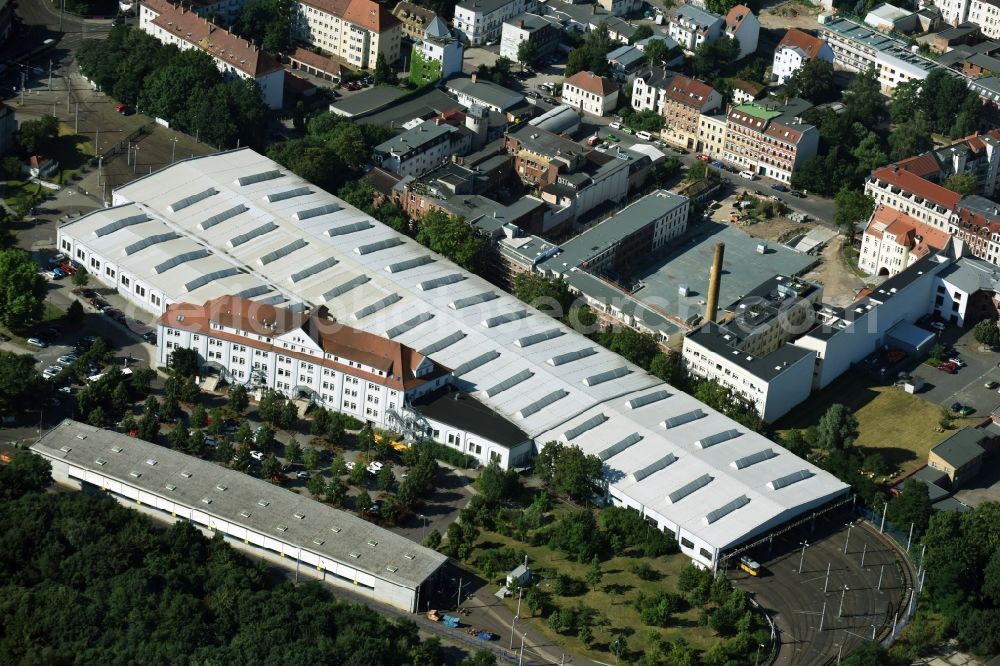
x,y
484,334
243,493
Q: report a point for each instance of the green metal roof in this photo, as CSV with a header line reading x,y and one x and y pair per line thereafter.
x,y
758,111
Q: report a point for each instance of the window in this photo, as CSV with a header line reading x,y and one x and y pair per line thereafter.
x,y
685,543
125,281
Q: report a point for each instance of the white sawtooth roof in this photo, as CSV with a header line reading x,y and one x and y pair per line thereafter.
x,y
526,368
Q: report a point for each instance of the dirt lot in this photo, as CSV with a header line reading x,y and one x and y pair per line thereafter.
x,y
789,15
840,284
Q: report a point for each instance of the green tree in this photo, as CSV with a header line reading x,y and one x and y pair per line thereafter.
x,y
986,333
668,368
912,505
224,451
711,59
37,136
551,296
910,138
720,7
527,53
962,183
837,429
452,237
657,52
80,277
26,472
270,467
268,23
851,206
310,458
869,153
142,378
196,443
293,450
198,417
22,289
594,573
336,492
384,73
812,81
500,71
794,440
641,32
316,486
433,539
496,485
178,438
20,382
567,469
75,313
363,503
386,480
97,417
238,399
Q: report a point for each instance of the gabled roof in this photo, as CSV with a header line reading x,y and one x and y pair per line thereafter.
x,y
689,92
592,83
909,232
735,18
370,15
700,17
899,176
809,46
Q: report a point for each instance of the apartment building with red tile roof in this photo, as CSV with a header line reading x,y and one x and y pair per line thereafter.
x,y
684,100
355,31
590,93
794,50
893,240
743,26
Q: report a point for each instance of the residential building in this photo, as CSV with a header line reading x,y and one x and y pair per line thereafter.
x,y
233,55
649,88
670,45
357,31
619,30
422,148
794,50
413,19
543,32
253,515
960,456
485,94
439,45
621,7
954,12
889,18
624,60
223,12
481,21
590,93
712,130
986,15
977,222
684,101
746,92
769,142
691,27
743,26
893,241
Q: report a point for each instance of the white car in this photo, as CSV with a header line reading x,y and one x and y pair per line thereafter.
x,y
375,467
35,342
615,126
350,465
51,371
68,359
257,455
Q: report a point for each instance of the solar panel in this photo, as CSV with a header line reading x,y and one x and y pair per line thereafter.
x,y
312,270
689,488
471,365
181,204
434,283
542,403
569,357
681,419
535,338
407,264
794,477
619,446
150,240
253,292
236,241
726,509
288,194
499,320
222,217
180,259
649,398
753,459
606,376
202,280
243,181
717,438
380,304
408,325
510,382
384,244
296,244
654,467
460,303
121,224
345,287
581,428
443,343
325,209
349,228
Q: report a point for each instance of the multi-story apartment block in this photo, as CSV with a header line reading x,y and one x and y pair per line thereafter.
x,y
413,18
358,31
986,15
544,32
621,7
977,222
712,130
769,142
649,88
794,50
691,27
233,55
954,12
743,26
439,45
422,148
894,240
481,21
905,186
684,101
590,93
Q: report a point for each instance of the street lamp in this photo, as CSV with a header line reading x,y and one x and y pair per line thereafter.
x,y
756,659
802,557
135,160
520,656
840,611
848,540
423,530
173,149
515,619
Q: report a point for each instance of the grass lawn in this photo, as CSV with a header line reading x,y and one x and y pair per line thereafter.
x,y
903,427
612,599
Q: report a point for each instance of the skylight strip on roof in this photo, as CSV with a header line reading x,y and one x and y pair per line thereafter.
x,y
460,303
569,357
542,403
408,325
296,244
654,467
202,280
477,362
150,240
681,419
541,336
329,262
236,241
753,459
794,477
253,292
510,382
345,287
287,194
243,181
325,209
222,217
649,398
726,509
180,259
581,428
121,224
606,376
717,438
443,343
689,488
380,304
499,320
434,283
407,264
181,204
619,446
349,228
383,244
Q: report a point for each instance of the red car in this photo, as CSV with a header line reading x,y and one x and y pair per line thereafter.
x,y
704,158
120,108
950,368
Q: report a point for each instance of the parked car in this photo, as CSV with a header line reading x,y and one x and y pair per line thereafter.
x,y
703,158
938,326
88,293
57,259
350,465
532,94
35,342
644,135
303,475
948,367
957,361
966,410
257,455
779,187
615,126
68,359
991,385
211,441
717,164
797,194
112,312
749,175
57,273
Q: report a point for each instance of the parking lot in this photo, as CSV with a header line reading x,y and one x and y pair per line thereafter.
x,y
968,385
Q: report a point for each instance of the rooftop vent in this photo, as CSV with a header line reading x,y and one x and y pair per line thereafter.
x,y
726,509
619,446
